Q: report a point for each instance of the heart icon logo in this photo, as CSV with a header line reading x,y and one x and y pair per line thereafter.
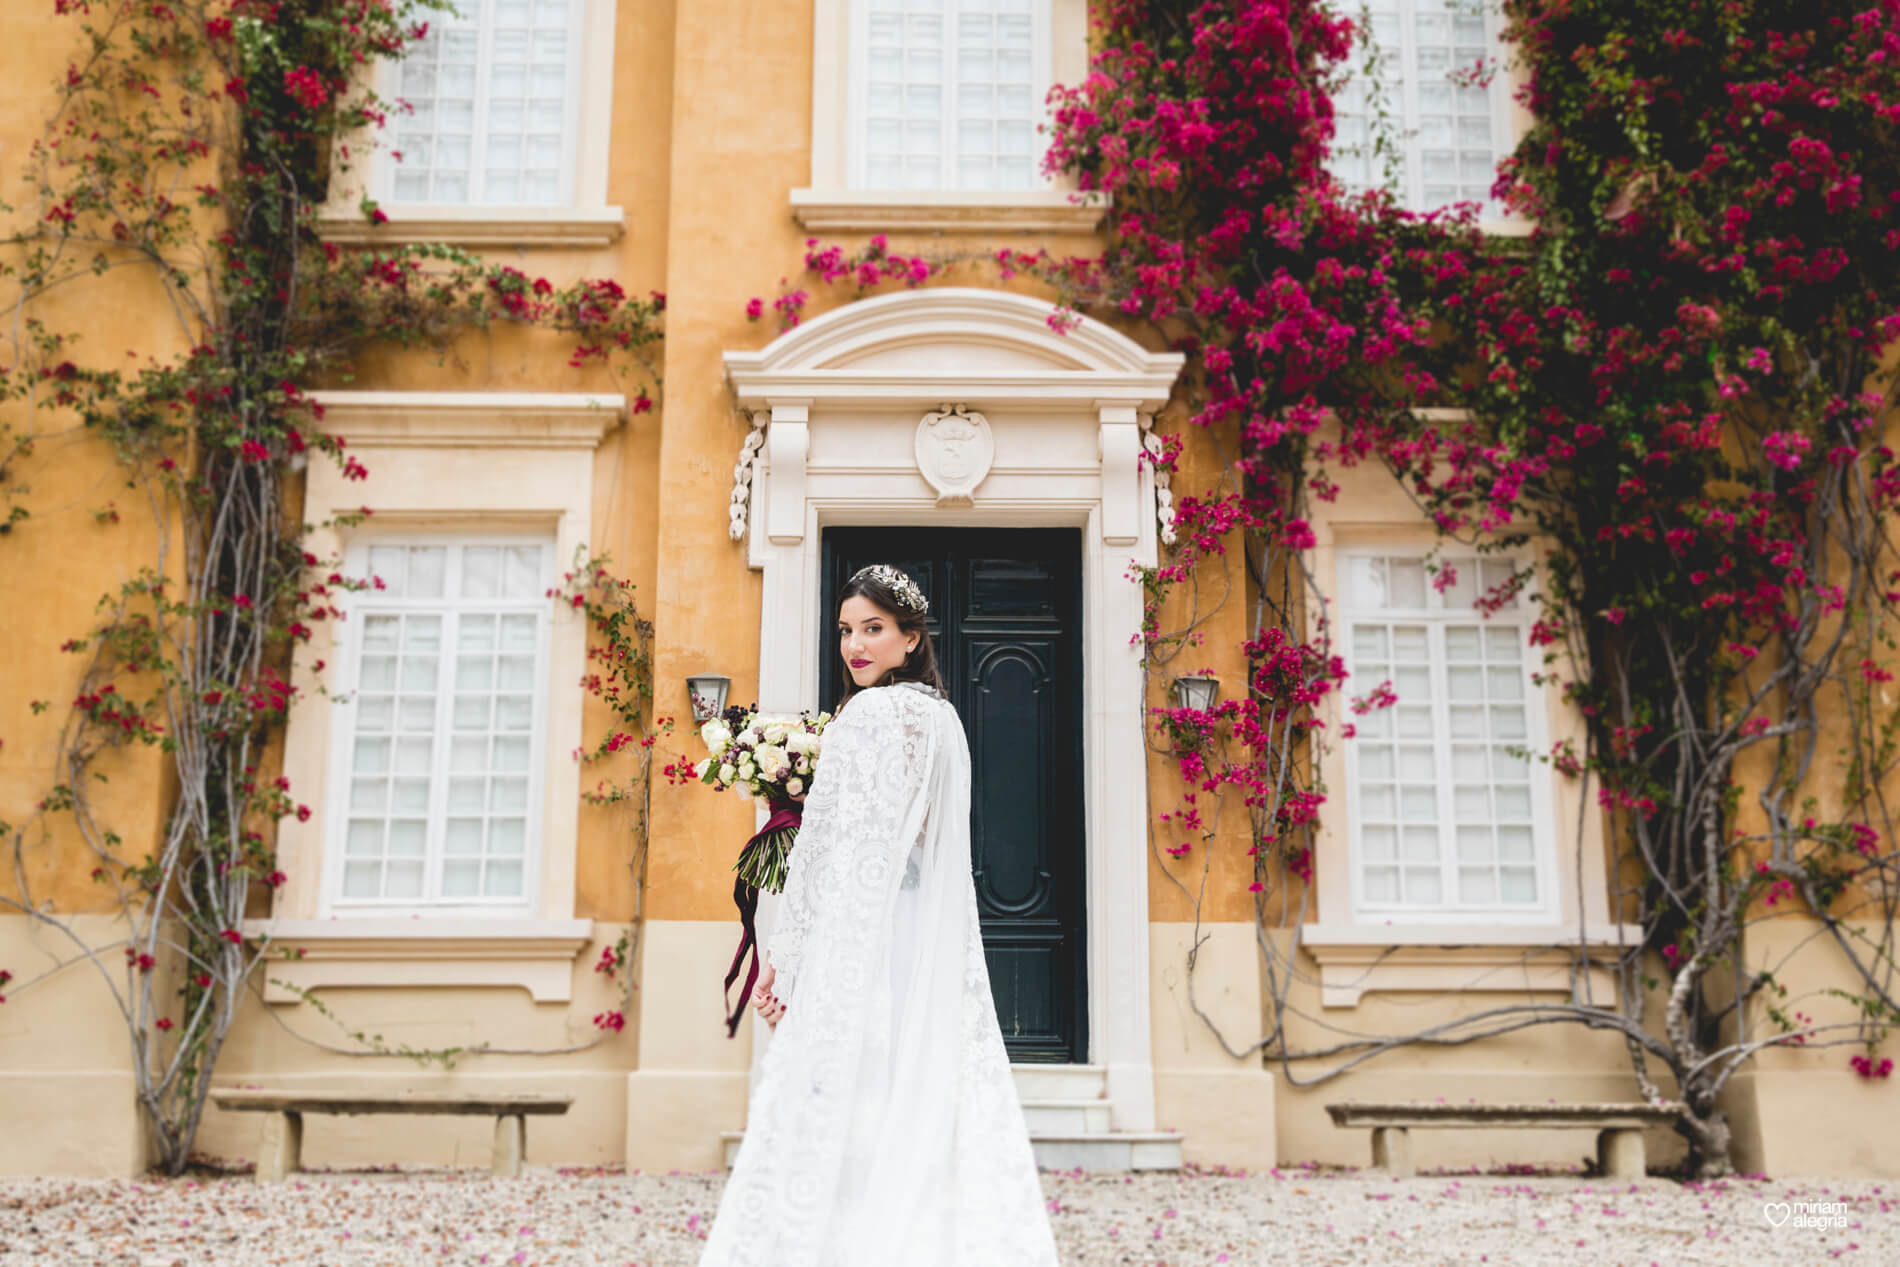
x,y
1777,1212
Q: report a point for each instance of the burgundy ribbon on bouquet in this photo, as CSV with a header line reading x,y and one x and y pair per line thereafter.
x,y
785,813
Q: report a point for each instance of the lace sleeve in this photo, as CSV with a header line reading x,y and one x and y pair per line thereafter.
x,y
871,766
787,945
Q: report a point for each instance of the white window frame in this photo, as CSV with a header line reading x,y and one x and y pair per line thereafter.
x,y
860,98
343,733
386,168
1435,616
1506,123
361,168
467,463
836,201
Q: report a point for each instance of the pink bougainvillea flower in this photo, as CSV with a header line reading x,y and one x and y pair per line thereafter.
x,y
306,87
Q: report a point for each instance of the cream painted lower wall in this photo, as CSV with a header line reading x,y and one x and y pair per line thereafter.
x,y
1563,1063
1801,1110
545,1047
674,1117
67,1102
692,1080
1836,1124
81,1123
67,1097
1226,1117
1224,1106
1795,1111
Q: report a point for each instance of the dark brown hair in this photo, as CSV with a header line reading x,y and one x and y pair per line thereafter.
x,y
920,665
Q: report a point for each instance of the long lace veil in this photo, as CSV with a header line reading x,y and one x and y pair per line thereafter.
x,y
885,1125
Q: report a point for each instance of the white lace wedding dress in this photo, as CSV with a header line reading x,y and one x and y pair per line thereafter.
x,y
885,1128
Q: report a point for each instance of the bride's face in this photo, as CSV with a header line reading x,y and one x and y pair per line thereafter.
x,y
870,641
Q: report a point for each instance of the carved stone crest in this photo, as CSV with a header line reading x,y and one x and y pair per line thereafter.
x,y
954,450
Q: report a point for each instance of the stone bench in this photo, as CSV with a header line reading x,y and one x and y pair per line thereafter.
x,y
1619,1127
283,1131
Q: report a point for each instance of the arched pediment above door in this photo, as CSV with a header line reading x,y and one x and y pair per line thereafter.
x,y
982,347
956,350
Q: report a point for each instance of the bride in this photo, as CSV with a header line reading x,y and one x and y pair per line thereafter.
x,y
885,1127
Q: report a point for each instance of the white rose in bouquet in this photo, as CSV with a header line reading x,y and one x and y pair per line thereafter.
x,y
794,786
749,736
746,771
716,735
772,760
725,772
775,732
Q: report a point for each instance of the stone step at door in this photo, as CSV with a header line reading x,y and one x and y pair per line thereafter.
x,y
1066,1117
1060,1082
1067,1111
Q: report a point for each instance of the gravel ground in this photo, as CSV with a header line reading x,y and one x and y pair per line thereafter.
x,y
608,1218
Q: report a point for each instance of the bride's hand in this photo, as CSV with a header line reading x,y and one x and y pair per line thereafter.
x,y
763,1002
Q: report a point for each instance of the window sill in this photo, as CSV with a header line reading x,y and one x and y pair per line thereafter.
x,y
536,954
1506,227
908,211
478,226
1438,958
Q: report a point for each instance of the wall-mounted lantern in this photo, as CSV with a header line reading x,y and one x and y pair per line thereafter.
x,y
1197,692
708,694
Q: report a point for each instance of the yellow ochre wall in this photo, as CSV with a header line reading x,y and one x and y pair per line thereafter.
x,y
711,116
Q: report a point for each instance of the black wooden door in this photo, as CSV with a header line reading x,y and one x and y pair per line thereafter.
x,y
1005,613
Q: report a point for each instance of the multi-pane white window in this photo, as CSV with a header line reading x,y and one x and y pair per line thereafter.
x,y
440,743
1451,132
947,93
494,94
1448,816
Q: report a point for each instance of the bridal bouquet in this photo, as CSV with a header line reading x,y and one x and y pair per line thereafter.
x,y
772,757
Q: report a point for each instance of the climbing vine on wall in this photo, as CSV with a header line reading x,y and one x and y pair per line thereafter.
x,y
189,146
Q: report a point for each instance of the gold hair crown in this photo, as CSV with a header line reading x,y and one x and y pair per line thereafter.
x,y
906,589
